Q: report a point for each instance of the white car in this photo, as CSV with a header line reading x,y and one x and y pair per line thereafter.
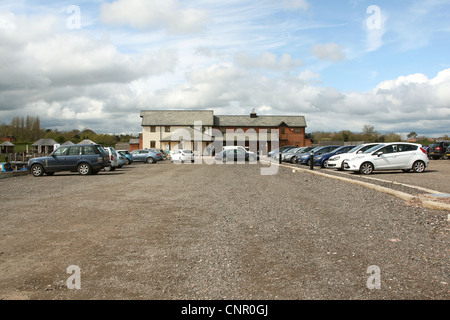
x,y
390,156
337,161
114,162
183,156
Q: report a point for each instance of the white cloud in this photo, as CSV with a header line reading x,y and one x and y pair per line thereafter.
x,y
268,61
150,14
296,4
328,51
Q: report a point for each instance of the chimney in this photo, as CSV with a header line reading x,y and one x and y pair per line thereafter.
x,y
253,114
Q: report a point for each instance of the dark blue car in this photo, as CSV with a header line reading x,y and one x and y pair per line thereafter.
x,y
305,158
322,159
86,159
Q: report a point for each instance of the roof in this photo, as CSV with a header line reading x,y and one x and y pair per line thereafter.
x,y
68,143
7,144
45,142
177,117
259,121
86,141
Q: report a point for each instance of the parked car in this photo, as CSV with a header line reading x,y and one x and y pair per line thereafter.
x,y
128,155
322,159
280,149
337,161
306,157
161,151
447,153
438,149
113,159
183,156
290,155
121,159
251,153
147,156
231,155
86,159
390,156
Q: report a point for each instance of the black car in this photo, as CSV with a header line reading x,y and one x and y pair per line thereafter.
x,y
231,155
86,159
437,150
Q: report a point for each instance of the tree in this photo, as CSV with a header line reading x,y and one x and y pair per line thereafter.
x,y
412,134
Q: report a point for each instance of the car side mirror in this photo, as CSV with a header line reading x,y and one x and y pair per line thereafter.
x,y
379,153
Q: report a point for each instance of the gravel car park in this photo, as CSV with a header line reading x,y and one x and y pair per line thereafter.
x,y
242,236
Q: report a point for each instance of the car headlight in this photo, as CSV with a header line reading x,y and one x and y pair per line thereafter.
x,y
335,158
318,158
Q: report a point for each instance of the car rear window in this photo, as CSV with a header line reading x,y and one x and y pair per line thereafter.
x,y
89,150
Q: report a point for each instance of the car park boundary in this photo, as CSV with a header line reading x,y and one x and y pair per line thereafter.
x,y
399,194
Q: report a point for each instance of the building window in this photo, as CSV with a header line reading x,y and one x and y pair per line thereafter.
x,y
282,131
167,129
152,144
152,129
297,130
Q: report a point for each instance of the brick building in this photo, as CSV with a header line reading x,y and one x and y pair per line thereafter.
x,y
171,129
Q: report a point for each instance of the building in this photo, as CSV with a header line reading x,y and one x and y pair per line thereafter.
x,y
45,146
195,129
7,147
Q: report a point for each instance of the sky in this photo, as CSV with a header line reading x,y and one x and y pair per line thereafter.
x,y
342,64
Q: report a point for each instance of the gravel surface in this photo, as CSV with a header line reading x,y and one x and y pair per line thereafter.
x,y
167,231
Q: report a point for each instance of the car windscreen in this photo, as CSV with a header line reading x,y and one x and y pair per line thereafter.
x,y
378,146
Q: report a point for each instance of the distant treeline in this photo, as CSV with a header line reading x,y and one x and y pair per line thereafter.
x,y
29,130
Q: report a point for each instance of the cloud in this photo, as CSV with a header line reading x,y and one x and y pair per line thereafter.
x,y
296,4
328,51
267,61
154,14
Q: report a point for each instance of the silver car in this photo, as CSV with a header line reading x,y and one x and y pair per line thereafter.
x,y
147,156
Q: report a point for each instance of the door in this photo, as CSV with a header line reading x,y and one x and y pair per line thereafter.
x,y
57,161
386,160
73,158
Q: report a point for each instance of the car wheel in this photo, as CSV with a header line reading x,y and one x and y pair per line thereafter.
x,y
84,169
324,164
418,167
37,170
150,160
128,161
108,168
366,168
292,160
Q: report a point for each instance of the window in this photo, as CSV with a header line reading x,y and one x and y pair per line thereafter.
x,y
282,130
297,130
61,151
167,129
89,150
406,147
152,129
152,144
74,151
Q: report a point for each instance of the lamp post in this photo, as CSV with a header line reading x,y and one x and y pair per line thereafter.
x,y
311,160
